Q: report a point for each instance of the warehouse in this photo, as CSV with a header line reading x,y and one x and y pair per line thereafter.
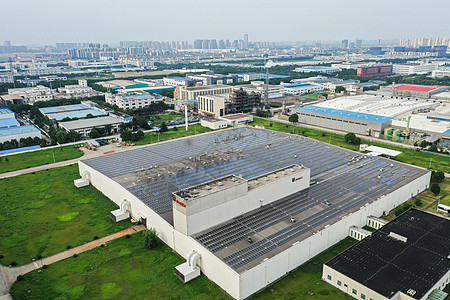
x,y
84,126
344,120
405,259
74,111
245,205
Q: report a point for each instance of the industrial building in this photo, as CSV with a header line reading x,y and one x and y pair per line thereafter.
x,y
441,72
84,126
10,128
176,81
77,90
417,91
74,111
211,79
326,70
302,88
192,92
34,94
408,258
362,114
239,101
130,101
275,91
375,71
245,205
414,68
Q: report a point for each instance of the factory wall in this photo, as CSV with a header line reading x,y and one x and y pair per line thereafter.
x,y
20,136
343,124
117,193
273,268
348,284
211,266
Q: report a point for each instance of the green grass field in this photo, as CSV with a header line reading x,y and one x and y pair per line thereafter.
x,y
125,270
38,158
154,137
165,118
409,155
43,213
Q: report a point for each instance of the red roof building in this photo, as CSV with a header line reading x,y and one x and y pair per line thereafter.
x,y
417,88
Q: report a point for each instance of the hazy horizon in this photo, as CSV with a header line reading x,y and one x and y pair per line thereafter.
x,y
46,22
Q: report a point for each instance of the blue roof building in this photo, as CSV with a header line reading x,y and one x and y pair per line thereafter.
x,y
344,120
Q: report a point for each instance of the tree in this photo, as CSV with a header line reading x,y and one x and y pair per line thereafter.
x,y
423,144
108,129
435,188
94,133
356,141
350,137
61,136
433,148
437,176
339,89
163,127
150,238
262,113
175,128
293,118
126,135
74,136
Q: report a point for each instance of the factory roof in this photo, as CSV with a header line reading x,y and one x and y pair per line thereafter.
x,y
17,130
417,88
300,86
88,123
8,122
179,78
63,108
387,265
154,172
5,110
317,68
345,114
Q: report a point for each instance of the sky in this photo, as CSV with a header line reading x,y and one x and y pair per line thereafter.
x,y
45,22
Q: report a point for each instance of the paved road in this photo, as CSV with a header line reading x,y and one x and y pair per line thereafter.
x,y
8,275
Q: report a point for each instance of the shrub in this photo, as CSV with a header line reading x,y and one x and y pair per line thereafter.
x,y
75,255
435,188
324,134
128,236
270,124
151,239
44,267
68,247
20,278
418,203
102,245
95,237
39,256
1,256
13,263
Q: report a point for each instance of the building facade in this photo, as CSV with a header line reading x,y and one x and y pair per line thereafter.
x,y
191,93
375,71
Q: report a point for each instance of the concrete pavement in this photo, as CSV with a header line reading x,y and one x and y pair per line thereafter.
x,y
8,275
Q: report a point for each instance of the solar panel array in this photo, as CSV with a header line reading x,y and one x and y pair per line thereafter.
x,y
351,184
318,205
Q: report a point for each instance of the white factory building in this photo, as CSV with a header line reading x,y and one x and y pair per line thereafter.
x,y
34,94
362,114
275,91
263,204
131,100
414,68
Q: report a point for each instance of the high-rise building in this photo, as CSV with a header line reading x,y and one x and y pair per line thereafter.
x,y
358,44
344,44
245,46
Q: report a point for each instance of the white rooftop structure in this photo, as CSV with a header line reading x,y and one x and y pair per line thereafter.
x,y
381,106
376,151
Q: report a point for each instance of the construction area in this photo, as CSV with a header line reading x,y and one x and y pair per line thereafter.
x,y
244,205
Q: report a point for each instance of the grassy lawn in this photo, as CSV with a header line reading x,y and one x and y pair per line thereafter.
x,y
306,282
123,269
409,155
426,198
38,158
165,118
43,213
153,137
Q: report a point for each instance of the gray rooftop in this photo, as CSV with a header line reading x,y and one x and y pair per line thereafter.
x,y
153,173
88,123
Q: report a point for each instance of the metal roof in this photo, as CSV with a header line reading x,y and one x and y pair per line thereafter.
x,y
8,122
18,130
5,110
345,114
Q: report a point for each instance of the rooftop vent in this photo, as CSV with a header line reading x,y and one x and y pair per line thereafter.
x,y
208,187
219,183
249,239
411,292
398,237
